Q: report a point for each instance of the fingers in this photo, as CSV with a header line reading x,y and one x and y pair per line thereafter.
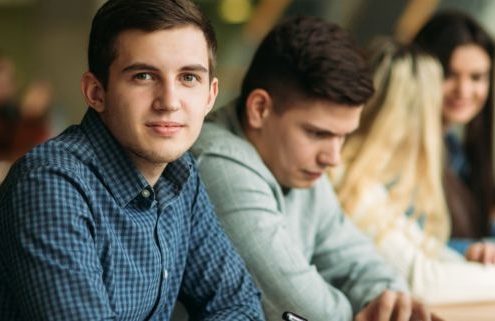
x,y
403,307
436,318
488,253
485,254
420,312
386,304
474,252
362,315
481,252
395,306
380,309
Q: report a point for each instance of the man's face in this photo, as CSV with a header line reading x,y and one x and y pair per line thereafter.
x,y
299,144
158,93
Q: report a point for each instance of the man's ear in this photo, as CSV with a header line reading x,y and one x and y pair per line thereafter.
x,y
259,105
93,91
212,95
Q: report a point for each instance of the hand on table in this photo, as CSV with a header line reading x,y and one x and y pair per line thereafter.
x,y
481,252
395,306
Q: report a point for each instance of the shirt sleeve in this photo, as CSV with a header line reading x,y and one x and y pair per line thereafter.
x,y
439,278
216,283
251,216
49,262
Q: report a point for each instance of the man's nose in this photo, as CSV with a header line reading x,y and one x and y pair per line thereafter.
x,y
166,97
331,156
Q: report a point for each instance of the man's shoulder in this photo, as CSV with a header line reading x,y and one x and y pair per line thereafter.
x,y
217,140
68,154
70,149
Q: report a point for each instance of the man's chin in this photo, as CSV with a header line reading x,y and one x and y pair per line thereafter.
x,y
165,159
300,184
159,158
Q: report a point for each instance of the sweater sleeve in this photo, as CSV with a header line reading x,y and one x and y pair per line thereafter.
x,y
251,217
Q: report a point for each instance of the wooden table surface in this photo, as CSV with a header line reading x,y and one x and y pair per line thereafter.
x,y
483,311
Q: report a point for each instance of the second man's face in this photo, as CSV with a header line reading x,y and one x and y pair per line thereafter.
x,y
158,93
306,139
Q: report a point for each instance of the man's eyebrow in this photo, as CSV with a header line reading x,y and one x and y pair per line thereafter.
x,y
196,67
325,131
139,66
143,66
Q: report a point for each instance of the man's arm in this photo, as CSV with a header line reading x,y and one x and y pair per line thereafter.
x,y
49,264
347,258
249,212
216,284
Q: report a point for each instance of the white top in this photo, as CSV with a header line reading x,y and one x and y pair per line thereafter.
x,y
444,278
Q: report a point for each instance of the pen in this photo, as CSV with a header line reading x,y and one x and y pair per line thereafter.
x,y
289,316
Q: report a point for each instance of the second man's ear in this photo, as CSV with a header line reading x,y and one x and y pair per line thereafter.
x,y
259,105
93,91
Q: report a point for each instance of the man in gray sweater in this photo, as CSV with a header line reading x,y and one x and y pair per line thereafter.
x,y
263,160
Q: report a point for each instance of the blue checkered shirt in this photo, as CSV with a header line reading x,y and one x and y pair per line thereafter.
x,y
84,237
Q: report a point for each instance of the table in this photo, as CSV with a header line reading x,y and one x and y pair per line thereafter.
x,y
482,311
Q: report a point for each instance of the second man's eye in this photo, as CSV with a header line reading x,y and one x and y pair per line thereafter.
x,y
316,133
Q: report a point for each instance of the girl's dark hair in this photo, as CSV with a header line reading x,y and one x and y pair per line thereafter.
x,y
441,35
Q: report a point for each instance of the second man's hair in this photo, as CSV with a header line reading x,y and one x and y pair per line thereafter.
x,y
312,57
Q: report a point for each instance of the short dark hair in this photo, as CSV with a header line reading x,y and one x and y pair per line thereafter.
x,y
116,16
312,57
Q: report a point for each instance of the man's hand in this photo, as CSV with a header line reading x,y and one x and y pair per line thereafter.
x,y
395,306
481,252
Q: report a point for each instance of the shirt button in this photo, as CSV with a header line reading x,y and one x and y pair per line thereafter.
x,y
165,274
145,193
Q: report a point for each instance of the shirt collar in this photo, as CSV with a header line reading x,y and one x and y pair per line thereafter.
x,y
172,182
119,174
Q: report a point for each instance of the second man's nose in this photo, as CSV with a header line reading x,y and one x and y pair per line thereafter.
x,y
329,158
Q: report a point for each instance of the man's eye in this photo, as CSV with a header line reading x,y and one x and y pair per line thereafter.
x,y
315,133
143,76
190,78
312,133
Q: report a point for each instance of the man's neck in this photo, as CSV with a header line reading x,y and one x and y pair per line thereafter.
x,y
150,171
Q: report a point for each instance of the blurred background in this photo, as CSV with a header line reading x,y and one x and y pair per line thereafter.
x,y
46,39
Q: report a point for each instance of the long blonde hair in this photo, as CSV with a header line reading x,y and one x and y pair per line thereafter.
x,y
399,143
